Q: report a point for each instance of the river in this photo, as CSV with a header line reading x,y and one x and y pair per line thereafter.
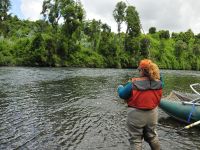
x,y
78,109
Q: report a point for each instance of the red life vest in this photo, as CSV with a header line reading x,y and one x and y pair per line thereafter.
x,y
146,94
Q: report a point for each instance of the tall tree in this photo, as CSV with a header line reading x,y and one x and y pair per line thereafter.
x,y
5,6
51,12
93,31
133,30
133,22
119,14
72,14
104,43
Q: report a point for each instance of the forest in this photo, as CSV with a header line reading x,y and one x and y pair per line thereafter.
x,y
78,42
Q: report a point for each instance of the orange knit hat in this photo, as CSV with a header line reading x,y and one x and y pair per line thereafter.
x,y
144,64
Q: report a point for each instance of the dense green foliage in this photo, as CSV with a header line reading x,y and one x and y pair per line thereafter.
x,y
90,43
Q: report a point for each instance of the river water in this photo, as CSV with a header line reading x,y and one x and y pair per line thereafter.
x,y
78,109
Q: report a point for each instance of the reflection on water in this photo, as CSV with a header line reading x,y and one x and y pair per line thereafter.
x,y
67,108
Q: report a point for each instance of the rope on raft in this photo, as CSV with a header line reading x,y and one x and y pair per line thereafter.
x,y
191,112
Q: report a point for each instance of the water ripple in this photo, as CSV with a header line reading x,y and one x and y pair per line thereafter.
x,y
76,109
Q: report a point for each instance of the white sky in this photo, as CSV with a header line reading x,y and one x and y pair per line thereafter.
x,y
173,15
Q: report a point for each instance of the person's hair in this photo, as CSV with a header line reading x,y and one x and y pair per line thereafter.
x,y
154,72
151,70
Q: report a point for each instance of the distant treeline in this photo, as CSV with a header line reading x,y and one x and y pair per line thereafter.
x,y
77,42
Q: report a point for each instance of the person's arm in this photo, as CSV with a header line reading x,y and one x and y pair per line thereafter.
x,y
124,92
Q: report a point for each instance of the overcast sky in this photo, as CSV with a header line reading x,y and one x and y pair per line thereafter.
x,y
173,15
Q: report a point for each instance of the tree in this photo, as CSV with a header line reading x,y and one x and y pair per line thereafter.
x,y
72,13
51,12
133,22
196,50
174,36
161,49
144,46
119,14
164,34
132,45
180,46
197,39
184,36
188,35
106,28
37,55
42,26
197,36
152,30
105,40
93,31
5,6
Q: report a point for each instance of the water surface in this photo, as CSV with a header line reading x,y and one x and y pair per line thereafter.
x,y
78,109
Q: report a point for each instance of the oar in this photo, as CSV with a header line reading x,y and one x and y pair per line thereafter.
x,y
190,125
186,127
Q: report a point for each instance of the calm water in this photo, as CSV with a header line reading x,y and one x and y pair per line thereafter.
x,y
78,109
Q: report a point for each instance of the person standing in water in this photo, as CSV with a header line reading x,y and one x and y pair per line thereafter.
x,y
143,95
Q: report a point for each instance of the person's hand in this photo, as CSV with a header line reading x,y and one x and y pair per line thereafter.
x,y
119,86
